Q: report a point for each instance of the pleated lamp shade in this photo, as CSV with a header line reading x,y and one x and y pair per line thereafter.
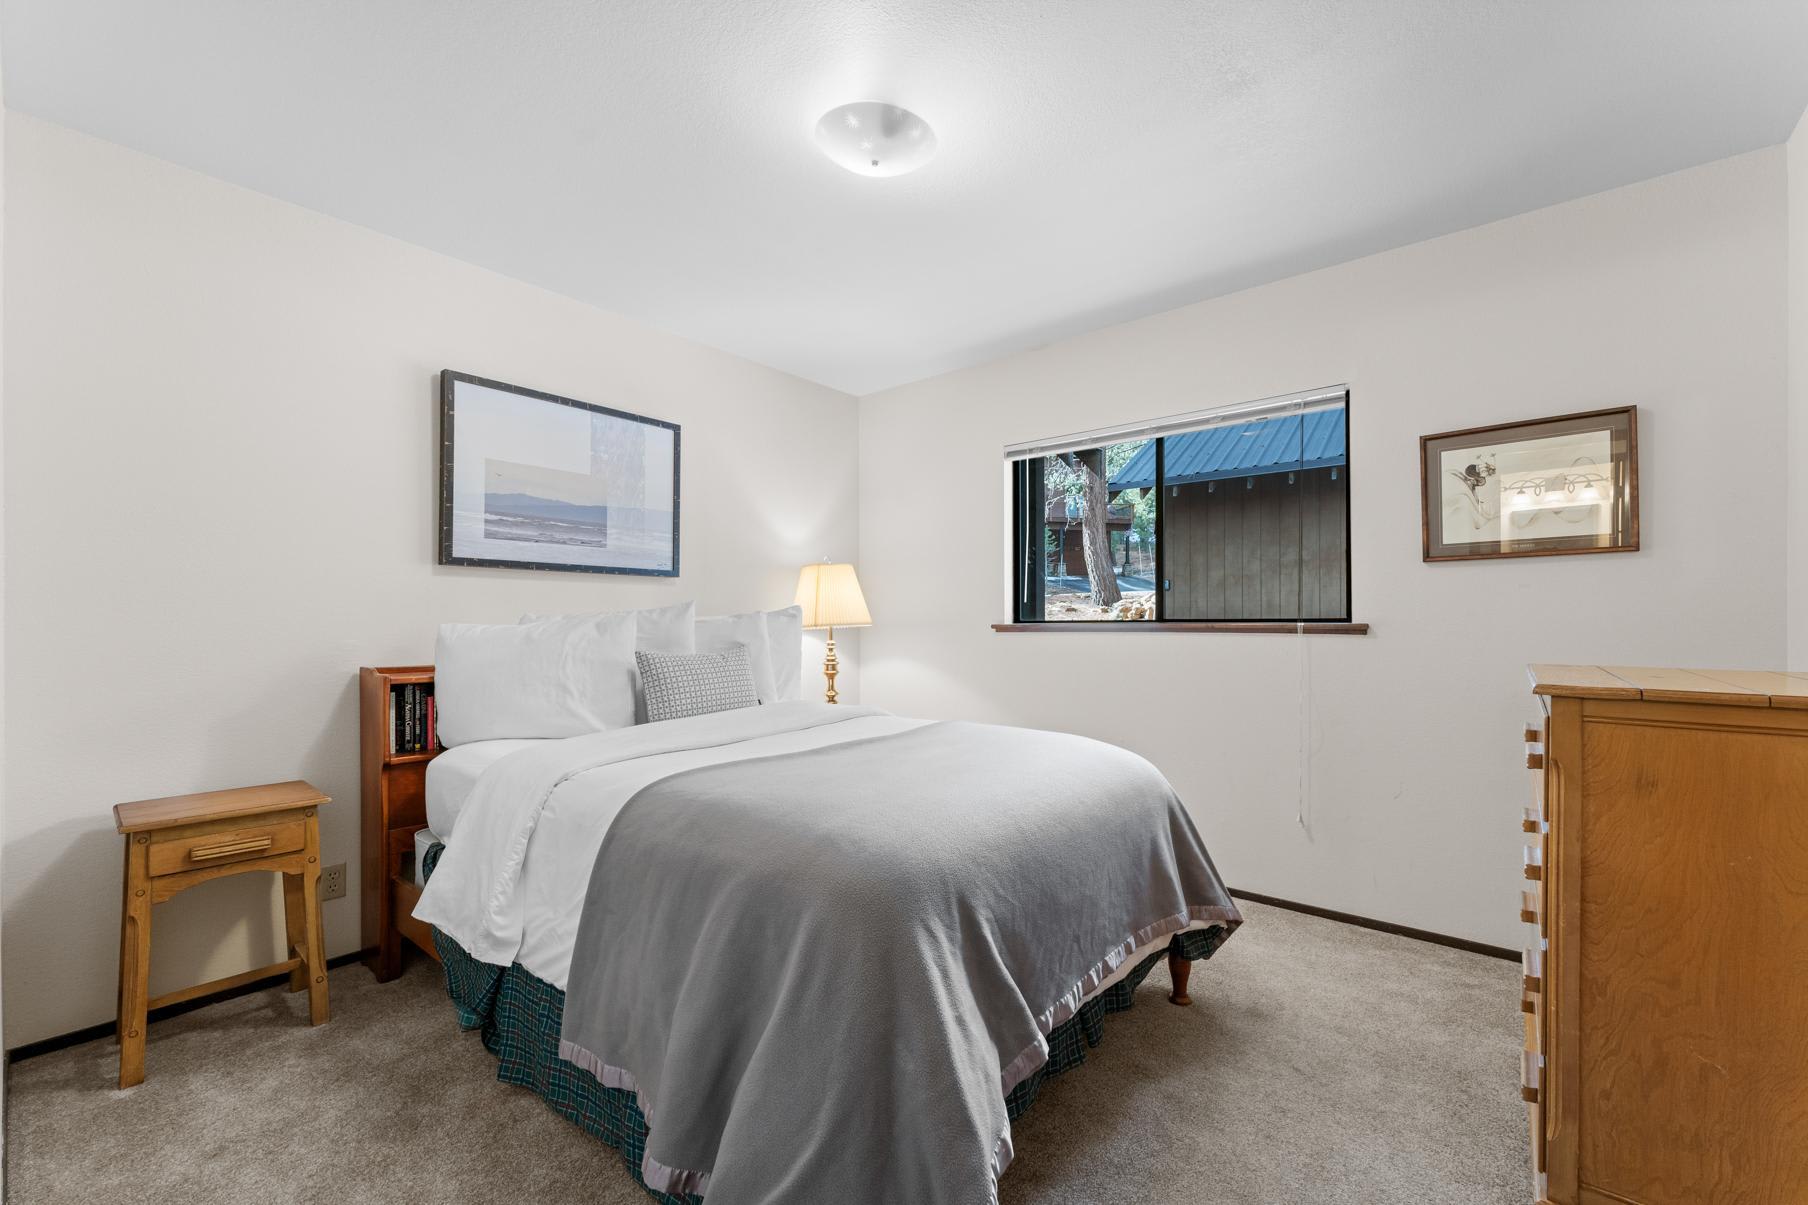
x,y
830,596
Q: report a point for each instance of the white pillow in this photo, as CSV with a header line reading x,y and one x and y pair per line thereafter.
x,y
785,637
656,629
717,632
774,640
560,677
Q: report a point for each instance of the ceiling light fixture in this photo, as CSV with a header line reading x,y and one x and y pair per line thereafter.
x,y
872,138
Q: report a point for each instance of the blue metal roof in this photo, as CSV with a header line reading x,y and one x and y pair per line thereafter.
x,y
1266,445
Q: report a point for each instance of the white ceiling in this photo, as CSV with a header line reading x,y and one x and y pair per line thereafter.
x,y
1098,161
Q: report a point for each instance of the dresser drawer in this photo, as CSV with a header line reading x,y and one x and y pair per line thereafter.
x,y
1536,810
1534,861
1535,1124
1532,965
1531,1076
1531,906
219,849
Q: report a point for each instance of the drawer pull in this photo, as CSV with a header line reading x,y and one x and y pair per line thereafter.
x,y
1533,821
1528,907
229,849
1534,761
1531,1064
1534,735
1534,862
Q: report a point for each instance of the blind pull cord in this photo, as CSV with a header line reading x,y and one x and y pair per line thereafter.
x,y
1304,814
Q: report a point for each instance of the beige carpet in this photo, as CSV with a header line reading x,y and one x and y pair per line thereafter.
x,y
1319,1063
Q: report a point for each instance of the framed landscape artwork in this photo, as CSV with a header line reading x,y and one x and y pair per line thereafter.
x,y
530,480
1546,487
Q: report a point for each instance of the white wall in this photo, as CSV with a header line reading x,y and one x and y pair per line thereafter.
x,y
220,478
1669,294
2,619
1797,152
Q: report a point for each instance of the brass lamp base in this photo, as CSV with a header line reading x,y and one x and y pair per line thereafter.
x,y
830,667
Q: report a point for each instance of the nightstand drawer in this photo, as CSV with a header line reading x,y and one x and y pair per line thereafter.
x,y
220,849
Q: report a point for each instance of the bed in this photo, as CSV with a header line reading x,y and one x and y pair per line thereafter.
x,y
755,955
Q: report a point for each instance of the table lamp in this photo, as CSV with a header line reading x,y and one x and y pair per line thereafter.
x,y
830,596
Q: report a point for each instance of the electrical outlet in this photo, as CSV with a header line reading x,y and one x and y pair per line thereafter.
x,y
332,882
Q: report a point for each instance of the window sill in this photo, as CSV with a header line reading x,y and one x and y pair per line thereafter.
x,y
1310,628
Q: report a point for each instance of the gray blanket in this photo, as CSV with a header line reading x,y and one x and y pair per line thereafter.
x,y
822,971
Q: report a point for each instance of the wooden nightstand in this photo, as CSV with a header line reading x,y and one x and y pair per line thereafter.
x,y
175,843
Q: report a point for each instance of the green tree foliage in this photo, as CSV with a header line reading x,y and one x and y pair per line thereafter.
x,y
1062,478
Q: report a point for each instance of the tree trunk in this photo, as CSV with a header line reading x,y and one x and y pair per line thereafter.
x,y
1097,544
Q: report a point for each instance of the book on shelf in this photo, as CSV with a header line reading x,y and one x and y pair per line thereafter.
x,y
414,726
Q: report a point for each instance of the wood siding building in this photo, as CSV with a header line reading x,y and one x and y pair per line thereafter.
x,y
1270,546
1254,518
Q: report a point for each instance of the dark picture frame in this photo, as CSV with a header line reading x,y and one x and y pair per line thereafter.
x,y
608,515
1560,486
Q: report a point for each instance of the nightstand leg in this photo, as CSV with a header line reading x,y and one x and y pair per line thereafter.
x,y
315,959
134,961
125,936
295,922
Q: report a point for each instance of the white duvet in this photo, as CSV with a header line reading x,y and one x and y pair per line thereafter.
x,y
510,885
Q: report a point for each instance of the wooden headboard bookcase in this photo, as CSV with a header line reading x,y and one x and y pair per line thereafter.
x,y
395,808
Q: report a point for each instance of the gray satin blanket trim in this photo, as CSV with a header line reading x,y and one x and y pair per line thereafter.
x,y
817,975
656,1175
1036,1054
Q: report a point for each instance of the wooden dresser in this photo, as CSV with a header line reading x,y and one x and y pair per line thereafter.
x,y
1666,983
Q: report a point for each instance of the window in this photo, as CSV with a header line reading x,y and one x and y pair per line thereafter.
x,y
1235,515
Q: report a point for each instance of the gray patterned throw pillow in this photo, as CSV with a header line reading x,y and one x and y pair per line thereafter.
x,y
679,684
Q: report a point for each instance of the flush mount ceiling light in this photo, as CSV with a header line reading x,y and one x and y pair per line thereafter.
x,y
875,139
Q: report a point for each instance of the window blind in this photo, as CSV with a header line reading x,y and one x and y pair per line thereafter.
x,y
1198,420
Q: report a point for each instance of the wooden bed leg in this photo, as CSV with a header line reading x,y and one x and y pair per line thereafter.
x,y
386,961
1179,969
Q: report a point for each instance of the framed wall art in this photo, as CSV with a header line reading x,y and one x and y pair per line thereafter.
x,y
530,480
1545,487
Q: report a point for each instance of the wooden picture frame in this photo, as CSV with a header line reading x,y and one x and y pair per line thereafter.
x,y
1559,486
532,480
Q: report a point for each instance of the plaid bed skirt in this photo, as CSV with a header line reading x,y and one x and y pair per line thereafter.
x,y
519,1016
